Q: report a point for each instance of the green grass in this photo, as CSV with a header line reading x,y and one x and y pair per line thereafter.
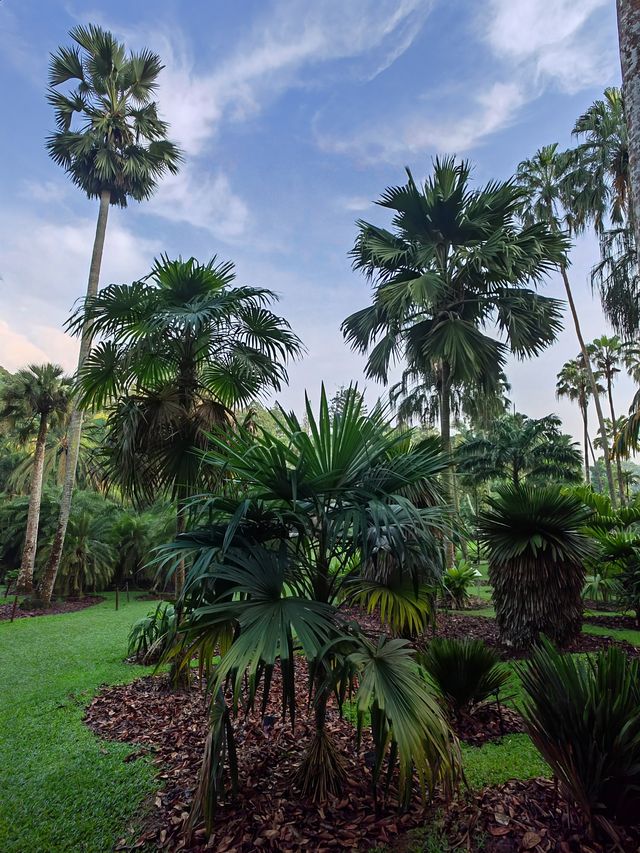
x,y
514,757
627,634
62,788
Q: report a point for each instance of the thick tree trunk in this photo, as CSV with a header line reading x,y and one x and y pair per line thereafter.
x,y
615,436
445,436
629,40
593,383
75,422
25,578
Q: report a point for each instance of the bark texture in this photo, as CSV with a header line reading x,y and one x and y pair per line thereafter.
x,y
629,39
75,422
25,578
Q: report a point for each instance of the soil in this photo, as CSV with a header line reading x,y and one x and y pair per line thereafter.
x,y
488,723
618,622
69,605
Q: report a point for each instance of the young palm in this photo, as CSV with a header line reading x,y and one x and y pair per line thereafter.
x,y
575,384
549,188
607,354
347,505
456,266
519,448
113,145
39,393
179,351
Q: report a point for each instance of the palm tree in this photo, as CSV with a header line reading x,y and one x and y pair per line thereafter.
x,y
574,383
38,393
113,145
547,182
607,354
519,448
349,505
629,38
456,265
179,351
537,549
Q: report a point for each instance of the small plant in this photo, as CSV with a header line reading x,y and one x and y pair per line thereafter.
x,y
456,582
466,673
152,635
583,717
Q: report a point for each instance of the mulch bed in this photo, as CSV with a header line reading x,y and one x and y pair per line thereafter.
x,y
618,622
268,814
69,605
527,815
488,723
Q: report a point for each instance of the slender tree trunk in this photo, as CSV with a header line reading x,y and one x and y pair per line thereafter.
x,y
629,40
75,422
596,470
594,385
585,427
445,436
615,436
25,578
181,526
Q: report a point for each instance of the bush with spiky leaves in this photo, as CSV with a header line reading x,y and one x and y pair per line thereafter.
x,y
456,582
537,551
582,714
317,508
151,636
466,673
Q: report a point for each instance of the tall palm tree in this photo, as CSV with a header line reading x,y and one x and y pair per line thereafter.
x,y
629,39
607,354
39,393
179,351
574,383
113,145
456,265
546,180
518,448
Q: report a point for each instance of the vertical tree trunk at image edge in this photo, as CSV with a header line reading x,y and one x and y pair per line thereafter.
x,y
25,578
75,422
594,386
629,40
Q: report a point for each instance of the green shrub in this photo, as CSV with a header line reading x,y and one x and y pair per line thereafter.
x,y
456,582
465,673
151,636
537,549
582,714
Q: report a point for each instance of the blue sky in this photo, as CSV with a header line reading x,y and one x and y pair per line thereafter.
x,y
294,116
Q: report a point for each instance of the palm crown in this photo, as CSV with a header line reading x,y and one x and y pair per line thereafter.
x,y
109,136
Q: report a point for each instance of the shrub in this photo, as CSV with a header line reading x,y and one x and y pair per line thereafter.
x,y
465,673
456,582
537,549
582,714
152,635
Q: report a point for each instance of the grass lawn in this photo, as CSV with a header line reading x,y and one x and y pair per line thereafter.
x,y
61,788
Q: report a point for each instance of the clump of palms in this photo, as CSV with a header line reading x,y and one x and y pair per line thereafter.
x,y
573,382
306,512
537,550
456,583
38,396
113,144
582,714
179,351
466,673
151,636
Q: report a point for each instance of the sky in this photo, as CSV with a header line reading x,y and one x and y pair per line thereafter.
x,y
294,115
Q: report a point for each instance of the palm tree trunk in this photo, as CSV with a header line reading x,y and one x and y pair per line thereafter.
x,y
594,386
181,525
615,435
585,434
445,436
75,422
25,578
629,41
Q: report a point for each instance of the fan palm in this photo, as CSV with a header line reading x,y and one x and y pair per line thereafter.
x,y
39,393
575,384
537,550
549,182
317,511
607,354
111,142
519,448
180,350
456,265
